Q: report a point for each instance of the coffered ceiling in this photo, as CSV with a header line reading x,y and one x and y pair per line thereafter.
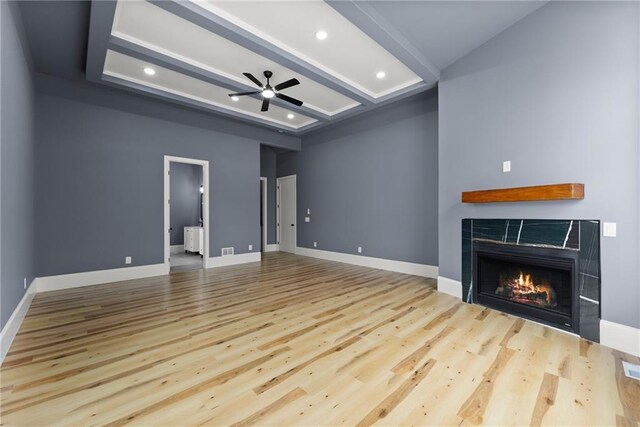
x,y
196,51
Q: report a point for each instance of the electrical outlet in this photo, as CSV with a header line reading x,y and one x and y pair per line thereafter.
x,y
315,244
250,247
307,219
127,260
506,166
359,249
25,283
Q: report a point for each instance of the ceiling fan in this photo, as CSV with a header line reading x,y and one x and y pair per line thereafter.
x,y
269,92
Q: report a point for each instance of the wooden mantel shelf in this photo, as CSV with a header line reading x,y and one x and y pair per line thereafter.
x,y
526,194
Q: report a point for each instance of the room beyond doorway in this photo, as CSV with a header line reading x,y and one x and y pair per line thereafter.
x,y
186,213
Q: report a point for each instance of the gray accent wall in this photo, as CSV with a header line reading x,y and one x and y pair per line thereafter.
x,y
100,176
184,196
372,182
268,170
17,185
558,95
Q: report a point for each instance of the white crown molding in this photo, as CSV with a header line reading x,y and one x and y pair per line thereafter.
x,y
223,261
87,278
450,286
620,337
423,270
13,324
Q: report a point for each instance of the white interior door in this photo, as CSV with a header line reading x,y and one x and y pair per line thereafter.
x,y
287,205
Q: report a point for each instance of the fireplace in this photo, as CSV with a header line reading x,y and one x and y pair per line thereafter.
x,y
563,254
538,283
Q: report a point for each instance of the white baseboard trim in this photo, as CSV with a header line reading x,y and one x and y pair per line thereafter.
x,y
423,270
620,337
450,286
175,249
76,280
272,248
13,324
223,261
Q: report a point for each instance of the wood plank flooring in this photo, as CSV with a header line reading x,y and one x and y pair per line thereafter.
x,y
300,341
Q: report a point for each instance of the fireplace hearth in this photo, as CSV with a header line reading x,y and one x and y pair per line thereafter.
x,y
544,270
532,282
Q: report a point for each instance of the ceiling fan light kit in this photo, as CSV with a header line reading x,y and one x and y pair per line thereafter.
x,y
267,92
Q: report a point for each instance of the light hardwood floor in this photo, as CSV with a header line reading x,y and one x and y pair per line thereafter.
x,y
299,341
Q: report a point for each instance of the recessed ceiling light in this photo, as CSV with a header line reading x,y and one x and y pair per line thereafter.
x,y
290,116
381,74
235,98
149,71
321,35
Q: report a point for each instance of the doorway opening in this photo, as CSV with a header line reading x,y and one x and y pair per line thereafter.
x,y
186,213
287,219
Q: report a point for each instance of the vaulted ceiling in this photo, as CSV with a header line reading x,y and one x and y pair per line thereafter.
x,y
194,52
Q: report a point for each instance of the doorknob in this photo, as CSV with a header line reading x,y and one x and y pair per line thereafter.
x,y
293,225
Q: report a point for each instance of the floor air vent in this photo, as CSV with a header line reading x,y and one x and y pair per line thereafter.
x,y
631,370
227,251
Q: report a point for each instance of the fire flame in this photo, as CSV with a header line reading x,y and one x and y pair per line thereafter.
x,y
524,285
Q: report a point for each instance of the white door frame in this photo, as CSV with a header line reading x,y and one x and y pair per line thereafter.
x,y
205,205
264,190
295,207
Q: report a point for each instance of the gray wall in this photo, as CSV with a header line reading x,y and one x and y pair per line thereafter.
x,y
185,199
557,94
372,181
100,185
17,247
268,170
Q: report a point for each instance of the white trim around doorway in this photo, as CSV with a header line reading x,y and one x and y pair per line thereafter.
x,y
264,189
205,205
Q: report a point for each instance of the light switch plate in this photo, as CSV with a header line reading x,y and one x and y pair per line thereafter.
x,y
308,211
609,229
307,219
506,166
127,260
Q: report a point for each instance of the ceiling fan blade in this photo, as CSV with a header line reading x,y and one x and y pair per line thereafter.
x,y
245,93
253,79
289,99
265,104
287,84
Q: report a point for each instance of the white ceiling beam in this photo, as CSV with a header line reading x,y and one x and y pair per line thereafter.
x,y
134,50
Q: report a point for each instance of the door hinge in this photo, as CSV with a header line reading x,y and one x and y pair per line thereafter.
x,y
169,201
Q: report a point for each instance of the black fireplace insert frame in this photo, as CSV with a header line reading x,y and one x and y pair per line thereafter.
x,y
564,259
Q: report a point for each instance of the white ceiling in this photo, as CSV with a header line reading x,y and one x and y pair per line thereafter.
x,y
200,48
347,53
145,24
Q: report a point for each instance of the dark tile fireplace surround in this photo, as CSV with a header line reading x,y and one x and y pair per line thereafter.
x,y
544,270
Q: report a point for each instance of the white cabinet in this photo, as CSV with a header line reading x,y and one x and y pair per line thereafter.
x,y
194,239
